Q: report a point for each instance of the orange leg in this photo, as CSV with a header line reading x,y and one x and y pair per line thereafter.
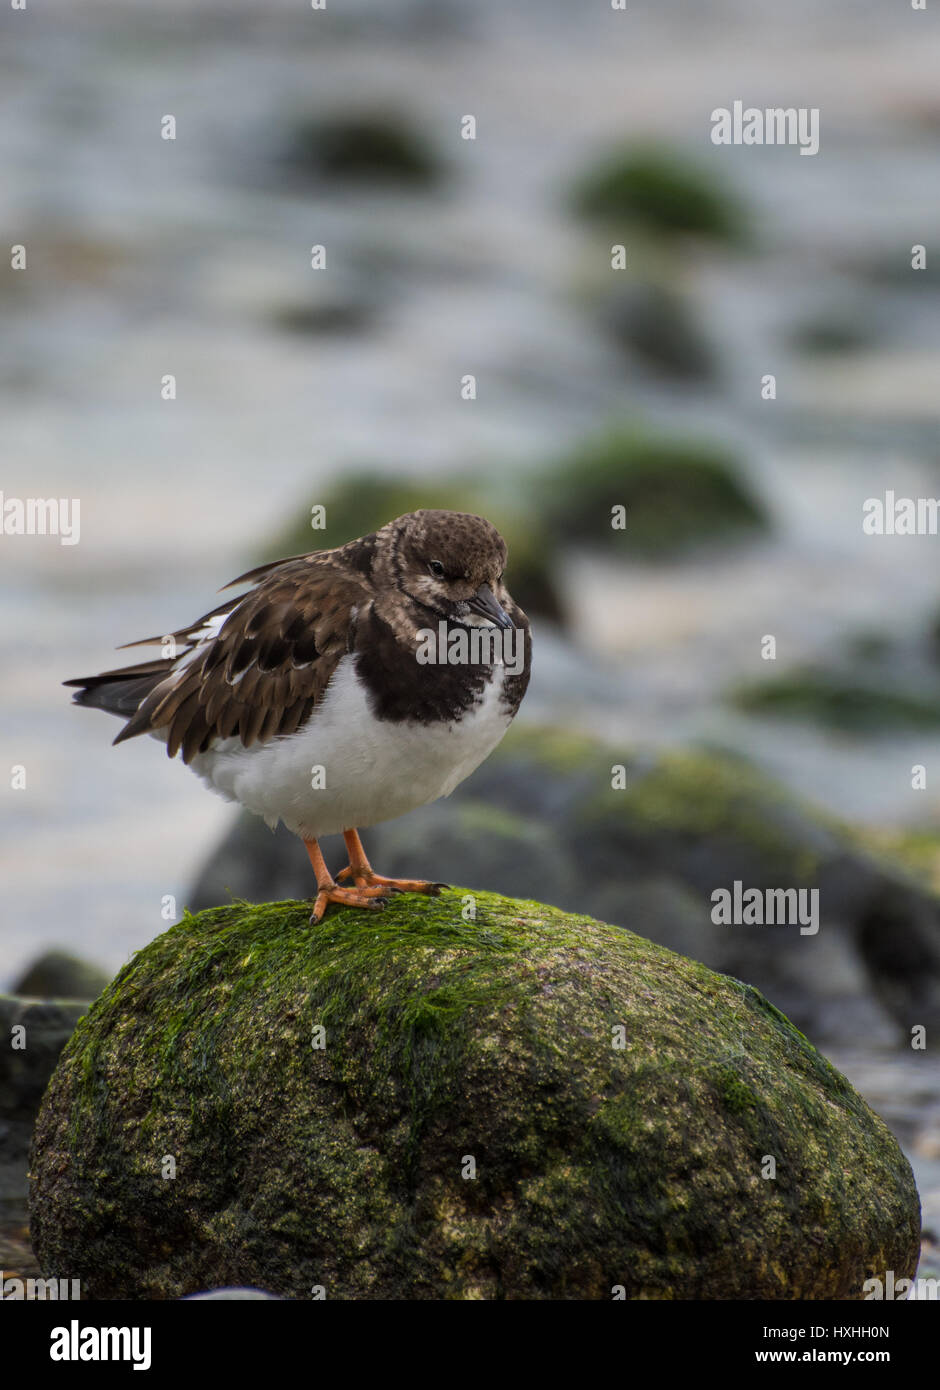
x,y
365,877
329,892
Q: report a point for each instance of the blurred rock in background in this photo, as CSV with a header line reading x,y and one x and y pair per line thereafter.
x,y
34,1032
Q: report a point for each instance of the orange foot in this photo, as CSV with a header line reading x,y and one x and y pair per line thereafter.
x,y
329,892
351,897
366,879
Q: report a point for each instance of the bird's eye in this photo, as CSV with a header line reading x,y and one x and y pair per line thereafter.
x,y
436,568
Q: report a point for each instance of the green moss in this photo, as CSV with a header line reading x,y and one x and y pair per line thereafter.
x,y
837,702
735,1094
660,191
678,494
417,1036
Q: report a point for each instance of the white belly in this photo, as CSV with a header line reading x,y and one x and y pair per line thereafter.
x,y
345,769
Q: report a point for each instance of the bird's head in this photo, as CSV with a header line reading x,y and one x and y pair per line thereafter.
x,y
451,563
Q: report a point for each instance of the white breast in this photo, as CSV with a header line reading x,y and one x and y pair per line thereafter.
x,y
346,769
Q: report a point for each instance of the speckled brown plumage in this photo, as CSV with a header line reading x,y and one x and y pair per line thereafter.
x,y
265,670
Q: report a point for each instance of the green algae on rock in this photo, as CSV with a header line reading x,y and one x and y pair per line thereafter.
x,y
840,700
409,1104
663,193
679,494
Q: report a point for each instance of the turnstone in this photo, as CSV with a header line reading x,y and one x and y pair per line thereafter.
x,y
346,687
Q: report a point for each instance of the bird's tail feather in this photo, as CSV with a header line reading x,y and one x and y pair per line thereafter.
x,y
121,692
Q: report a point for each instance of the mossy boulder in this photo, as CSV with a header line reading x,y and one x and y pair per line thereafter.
x,y
679,493
842,700
661,192
527,1104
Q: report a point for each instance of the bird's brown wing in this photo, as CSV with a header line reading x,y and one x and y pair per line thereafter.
x,y
268,666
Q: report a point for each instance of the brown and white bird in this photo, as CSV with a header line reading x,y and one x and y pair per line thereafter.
x,y
318,698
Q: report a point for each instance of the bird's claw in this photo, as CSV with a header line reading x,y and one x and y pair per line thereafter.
x,y
370,897
367,878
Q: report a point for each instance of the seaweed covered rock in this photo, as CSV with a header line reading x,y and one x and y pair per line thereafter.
x,y
659,190
463,1097
852,701
679,494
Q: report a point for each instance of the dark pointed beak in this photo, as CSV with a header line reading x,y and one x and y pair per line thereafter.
x,y
484,602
